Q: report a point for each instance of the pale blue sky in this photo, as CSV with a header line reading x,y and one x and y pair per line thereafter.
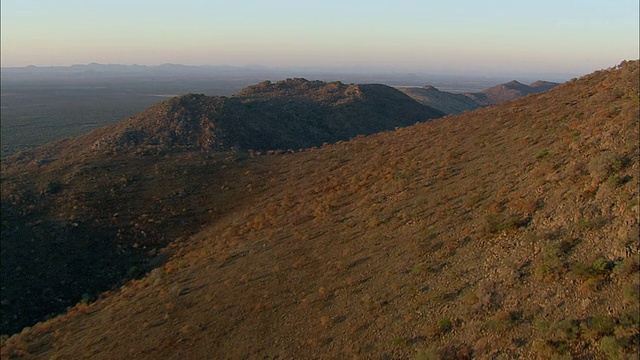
x,y
561,36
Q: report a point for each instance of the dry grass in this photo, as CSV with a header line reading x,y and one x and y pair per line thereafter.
x,y
449,239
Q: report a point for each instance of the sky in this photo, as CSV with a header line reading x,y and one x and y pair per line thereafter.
x,y
446,36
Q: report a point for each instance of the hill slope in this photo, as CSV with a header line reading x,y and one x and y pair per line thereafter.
x,y
444,101
510,231
78,202
509,91
450,103
97,207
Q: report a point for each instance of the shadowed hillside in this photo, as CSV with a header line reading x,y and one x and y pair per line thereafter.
x,y
510,231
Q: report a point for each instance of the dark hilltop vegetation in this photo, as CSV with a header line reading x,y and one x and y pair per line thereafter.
x,y
510,231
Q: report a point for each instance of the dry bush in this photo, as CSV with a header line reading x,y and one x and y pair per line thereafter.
x,y
502,320
550,263
602,166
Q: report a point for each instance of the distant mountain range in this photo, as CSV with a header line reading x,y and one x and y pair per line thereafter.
x,y
345,74
457,103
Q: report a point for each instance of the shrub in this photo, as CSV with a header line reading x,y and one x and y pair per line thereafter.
x,y
565,330
502,321
611,347
613,181
627,266
542,154
550,264
631,293
590,224
502,222
597,327
428,354
599,269
604,165
445,325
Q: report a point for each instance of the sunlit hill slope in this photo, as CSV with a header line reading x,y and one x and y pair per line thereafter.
x,y
506,232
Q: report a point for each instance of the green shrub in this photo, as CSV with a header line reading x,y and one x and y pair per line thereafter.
x,y
612,347
565,330
598,326
631,293
550,264
627,266
445,325
542,154
613,181
599,269
590,224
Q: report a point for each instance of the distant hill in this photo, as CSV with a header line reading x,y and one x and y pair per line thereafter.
x,y
74,100
446,102
289,114
509,232
509,91
450,103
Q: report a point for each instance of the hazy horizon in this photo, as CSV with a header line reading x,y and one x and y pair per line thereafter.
x,y
311,73
544,37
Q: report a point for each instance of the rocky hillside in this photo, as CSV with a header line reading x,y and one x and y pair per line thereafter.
x,y
290,114
506,232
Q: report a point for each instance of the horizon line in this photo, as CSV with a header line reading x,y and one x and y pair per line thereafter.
x,y
340,69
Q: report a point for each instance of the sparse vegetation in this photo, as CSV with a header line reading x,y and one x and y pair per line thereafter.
x,y
501,321
448,237
542,154
597,270
551,261
604,165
